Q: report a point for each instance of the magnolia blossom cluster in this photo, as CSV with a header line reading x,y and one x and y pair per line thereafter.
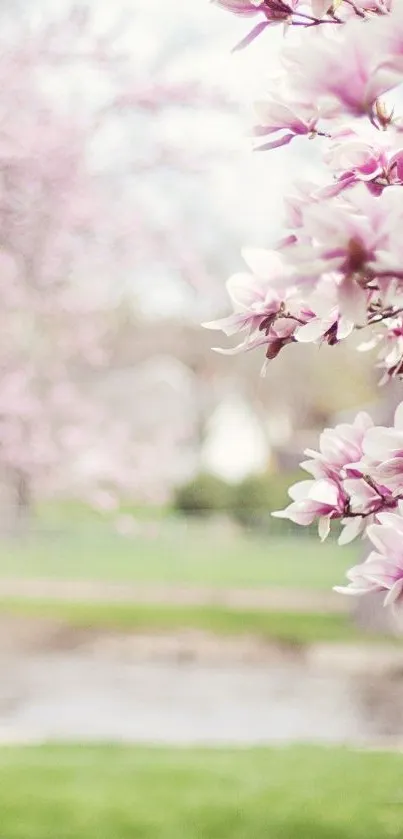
x,y
339,267
357,480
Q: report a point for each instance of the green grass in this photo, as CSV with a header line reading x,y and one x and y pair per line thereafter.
x,y
172,553
113,792
287,627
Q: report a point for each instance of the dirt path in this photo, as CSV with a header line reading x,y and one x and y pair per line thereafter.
x,y
273,599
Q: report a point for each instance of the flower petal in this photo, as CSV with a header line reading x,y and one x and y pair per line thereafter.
x,y
264,263
324,527
394,593
351,530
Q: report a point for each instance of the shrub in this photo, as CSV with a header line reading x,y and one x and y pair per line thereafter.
x,y
257,496
203,496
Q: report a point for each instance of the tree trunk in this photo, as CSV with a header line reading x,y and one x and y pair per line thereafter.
x,y
23,502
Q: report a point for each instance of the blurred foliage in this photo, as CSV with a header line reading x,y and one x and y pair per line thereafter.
x,y
257,496
69,512
203,496
250,502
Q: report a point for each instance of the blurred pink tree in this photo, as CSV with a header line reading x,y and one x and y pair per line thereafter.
x,y
67,225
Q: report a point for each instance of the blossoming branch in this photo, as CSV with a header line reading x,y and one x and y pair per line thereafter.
x,y
340,266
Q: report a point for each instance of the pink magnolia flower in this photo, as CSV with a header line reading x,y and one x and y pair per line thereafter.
x,y
328,326
354,159
285,117
254,295
367,501
383,569
325,498
348,86
340,488
321,500
266,313
383,447
389,341
338,448
329,329
356,237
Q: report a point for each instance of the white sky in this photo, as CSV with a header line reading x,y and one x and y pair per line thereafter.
x,y
194,39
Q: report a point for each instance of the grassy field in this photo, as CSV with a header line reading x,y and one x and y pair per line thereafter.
x,y
175,552
129,793
294,628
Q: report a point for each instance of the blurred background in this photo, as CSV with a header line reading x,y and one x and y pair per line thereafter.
x,y
173,660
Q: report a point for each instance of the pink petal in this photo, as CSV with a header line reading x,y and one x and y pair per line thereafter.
x,y
244,290
230,325
390,468
360,493
324,527
276,144
350,531
387,541
300,490
319,7
393,520
382,443
264,263
238,7
256,31
311,331
353,301
332,190
363,421
315,468
344,327
325,492
399,417
274,116
246,346
355,592
394,593
299,512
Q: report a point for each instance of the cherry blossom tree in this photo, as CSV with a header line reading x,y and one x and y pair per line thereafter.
x,y
338,269
68,224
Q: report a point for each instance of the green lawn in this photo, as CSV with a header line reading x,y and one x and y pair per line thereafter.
x,y
174,552
296,628
113,792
